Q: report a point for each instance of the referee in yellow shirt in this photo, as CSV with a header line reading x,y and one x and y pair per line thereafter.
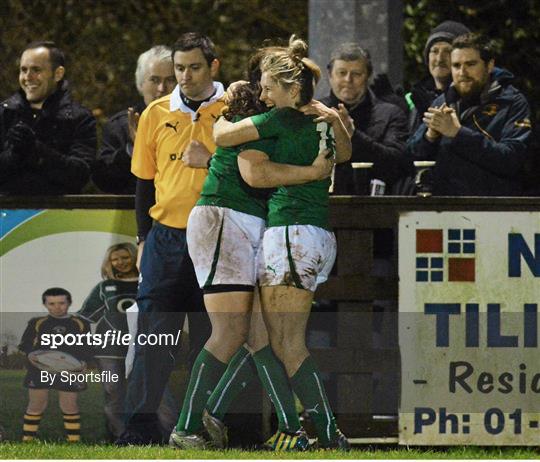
x,y
172,150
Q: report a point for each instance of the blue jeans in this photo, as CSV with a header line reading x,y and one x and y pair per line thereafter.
x,y
167,292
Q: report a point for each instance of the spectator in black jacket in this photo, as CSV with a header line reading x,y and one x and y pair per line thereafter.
x,y
479,130
154,78
47,141
379,129
437,60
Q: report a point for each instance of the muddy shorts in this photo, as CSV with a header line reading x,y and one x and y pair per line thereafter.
x,y
223,245
301,256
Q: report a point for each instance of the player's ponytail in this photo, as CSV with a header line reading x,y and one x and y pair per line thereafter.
x,y
297,47
292,67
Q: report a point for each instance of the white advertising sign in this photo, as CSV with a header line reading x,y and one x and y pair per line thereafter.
x,y
52,248
468,329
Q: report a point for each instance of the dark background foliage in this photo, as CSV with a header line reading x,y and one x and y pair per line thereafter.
x,y
102,39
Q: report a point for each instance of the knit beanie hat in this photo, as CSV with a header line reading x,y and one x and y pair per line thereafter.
x,y
446,31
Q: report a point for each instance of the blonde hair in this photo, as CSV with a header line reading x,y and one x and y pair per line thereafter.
x,y
107,270
254,63
293,67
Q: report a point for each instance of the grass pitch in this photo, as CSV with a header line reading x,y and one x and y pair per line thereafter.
x,y
13,401
44,450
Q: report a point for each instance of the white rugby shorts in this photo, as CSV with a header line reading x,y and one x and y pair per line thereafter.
x,y
223,245
301,256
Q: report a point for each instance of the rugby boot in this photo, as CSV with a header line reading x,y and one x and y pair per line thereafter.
x,y
282,441
216,429
341,443
183,440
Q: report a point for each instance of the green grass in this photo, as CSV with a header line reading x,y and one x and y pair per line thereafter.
x,y
40,450
13,398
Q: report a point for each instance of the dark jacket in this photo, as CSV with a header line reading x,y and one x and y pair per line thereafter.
x,y
422,94
65,147
112,170
487,156
380,137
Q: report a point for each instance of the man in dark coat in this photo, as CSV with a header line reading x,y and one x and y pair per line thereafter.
x,y
47,141
437,60
154,78
479,130
379,129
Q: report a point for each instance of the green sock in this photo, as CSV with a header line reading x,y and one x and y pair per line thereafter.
x,y
274,379
205,375
308,386
240,371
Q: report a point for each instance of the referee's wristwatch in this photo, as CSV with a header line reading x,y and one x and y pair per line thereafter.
x,y
140,239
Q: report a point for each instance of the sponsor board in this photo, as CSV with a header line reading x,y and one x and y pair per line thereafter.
x,y
52,248
468,329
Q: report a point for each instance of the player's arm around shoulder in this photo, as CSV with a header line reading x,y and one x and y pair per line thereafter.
x,y
259,171
228,133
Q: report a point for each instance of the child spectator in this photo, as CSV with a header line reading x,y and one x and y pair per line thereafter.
x,y
57,302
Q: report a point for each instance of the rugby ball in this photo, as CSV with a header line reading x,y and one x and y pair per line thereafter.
x,y
55,361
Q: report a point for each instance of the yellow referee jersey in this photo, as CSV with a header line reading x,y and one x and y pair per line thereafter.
x,y
165,129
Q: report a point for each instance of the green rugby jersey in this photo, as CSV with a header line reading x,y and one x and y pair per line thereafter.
x,y
298,142
106,305
224,186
